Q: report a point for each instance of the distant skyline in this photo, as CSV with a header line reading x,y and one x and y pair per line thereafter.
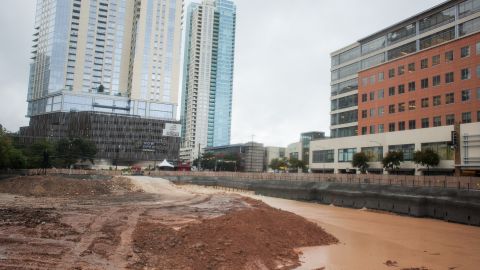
x,y
282,63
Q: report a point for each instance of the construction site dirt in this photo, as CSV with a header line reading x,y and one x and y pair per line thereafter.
x,y
93,222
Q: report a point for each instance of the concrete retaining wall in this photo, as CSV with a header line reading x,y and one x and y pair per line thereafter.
x,y
455,205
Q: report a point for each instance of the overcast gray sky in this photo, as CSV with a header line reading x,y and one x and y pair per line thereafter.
x,y
282,63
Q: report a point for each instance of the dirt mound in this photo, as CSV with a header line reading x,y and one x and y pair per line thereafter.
x,y
257,238
27,217
59,186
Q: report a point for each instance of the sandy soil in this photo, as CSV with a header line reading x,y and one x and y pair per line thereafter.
x,y
143,223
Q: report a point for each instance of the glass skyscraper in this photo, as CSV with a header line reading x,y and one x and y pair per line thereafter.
x,y
115,56
208,76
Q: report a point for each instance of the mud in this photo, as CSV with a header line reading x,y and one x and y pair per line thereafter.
x,y
57,222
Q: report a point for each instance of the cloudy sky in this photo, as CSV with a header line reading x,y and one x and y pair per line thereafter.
x,y
282,77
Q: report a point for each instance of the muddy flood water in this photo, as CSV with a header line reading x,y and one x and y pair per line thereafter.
x,y
371,240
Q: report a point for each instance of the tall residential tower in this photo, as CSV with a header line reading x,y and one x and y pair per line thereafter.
x,y
208,76
107,70
118,56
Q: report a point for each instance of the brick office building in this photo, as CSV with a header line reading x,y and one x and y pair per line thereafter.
x,y
436,87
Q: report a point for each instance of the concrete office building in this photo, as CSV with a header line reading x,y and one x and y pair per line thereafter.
x,y
272,152
118,58
403,89
208,76
251,155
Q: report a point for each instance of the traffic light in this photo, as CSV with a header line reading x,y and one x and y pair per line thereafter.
x,y
454,139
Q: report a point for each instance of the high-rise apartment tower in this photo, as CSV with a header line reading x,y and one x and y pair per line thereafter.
x,y
208,76
114,56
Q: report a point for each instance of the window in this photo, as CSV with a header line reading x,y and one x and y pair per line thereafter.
x,y
401,125
437,100
465,74
380,94
424,63
437,121
391,109
425,122
436,80
375,154
449,77
478,116
411,67
364,130
323,156
406,149
465,51
449,98
478,48
466,95
364,97
443,149
424,83
380,77
346,155
380,111
411,86
449,56
391,127
372,79
450,119
424,102
478,93
466,117
478,71
391,73
401,107
412,124
411,105
364,113
372,112
391,91
401,70
372,95
401,89
435,60
372,129
381,128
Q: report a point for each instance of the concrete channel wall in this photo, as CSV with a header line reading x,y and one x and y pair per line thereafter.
x,y
449,204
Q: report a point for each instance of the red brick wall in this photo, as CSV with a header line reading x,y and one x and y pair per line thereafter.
x,y
457,108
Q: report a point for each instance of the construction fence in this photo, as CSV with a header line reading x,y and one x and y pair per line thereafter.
x,y
454,182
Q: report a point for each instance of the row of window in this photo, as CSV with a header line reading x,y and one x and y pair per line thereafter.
x,y
436,80
466,96
375,153
425,123
424,63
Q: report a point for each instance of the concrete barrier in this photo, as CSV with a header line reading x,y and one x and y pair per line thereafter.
x,y
449,204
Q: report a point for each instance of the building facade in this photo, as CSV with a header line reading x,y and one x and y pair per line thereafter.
x,y
448,21
406,88
120,139
114,56
251,155
208,76
272,153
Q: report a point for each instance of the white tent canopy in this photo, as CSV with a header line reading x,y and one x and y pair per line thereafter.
x,y
165,164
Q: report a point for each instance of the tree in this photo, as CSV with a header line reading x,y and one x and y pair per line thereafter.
x,y
392,160
360,161
296,164
39,154
10,157
426,157
278,164
100,88
69,151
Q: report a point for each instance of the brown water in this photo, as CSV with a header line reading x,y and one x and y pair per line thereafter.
x,y
368,239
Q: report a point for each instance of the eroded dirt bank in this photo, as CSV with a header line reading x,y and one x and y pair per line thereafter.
x,y
63,222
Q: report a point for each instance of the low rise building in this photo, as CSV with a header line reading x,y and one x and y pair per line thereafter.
x,y
251,155
272,153
120,139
